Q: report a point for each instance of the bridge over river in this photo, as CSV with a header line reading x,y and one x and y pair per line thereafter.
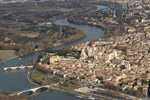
x,y
32,90
17,67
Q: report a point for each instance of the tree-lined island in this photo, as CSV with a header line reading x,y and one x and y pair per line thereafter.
x,y
31,27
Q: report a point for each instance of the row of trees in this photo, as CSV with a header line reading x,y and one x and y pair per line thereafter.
x,y
131,91
9,47
15,97
69,83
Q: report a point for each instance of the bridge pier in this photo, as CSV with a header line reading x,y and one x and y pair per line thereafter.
x,y
14,68
22,68
5,69
34,90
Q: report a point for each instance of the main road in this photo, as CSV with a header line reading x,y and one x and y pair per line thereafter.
x,y
17,80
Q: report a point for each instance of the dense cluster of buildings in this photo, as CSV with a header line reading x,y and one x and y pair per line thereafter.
x,y
127,16
124,65
118,62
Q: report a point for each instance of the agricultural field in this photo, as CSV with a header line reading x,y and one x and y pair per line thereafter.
x,y
7,54
30,26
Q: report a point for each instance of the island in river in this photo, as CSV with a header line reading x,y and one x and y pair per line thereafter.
x,y
32,28
29,27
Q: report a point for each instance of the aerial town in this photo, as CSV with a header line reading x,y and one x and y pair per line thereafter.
x,y
122,64
120,61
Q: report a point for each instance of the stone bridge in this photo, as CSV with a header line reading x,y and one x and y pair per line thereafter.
x,y
32,90
17,67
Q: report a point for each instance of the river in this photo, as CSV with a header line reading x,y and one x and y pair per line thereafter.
x,y
17,80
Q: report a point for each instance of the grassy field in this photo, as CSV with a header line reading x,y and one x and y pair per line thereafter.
x,y
7,54
54,79
40,77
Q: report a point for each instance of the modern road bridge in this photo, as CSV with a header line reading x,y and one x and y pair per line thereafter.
x,y
32,90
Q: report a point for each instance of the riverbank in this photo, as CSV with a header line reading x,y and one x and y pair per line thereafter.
x,y
97,93
62,88
109,23
7,55
3,93
30,79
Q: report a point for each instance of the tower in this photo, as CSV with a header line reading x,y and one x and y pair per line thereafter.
x,y
114,14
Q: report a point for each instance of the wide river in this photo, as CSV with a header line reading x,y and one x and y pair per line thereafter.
x,y
17,80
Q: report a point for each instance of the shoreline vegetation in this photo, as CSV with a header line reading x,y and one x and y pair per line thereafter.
x,y
2,92
5,96
2,59
42,33
110,30
15,55
64,34
19,53
11,54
